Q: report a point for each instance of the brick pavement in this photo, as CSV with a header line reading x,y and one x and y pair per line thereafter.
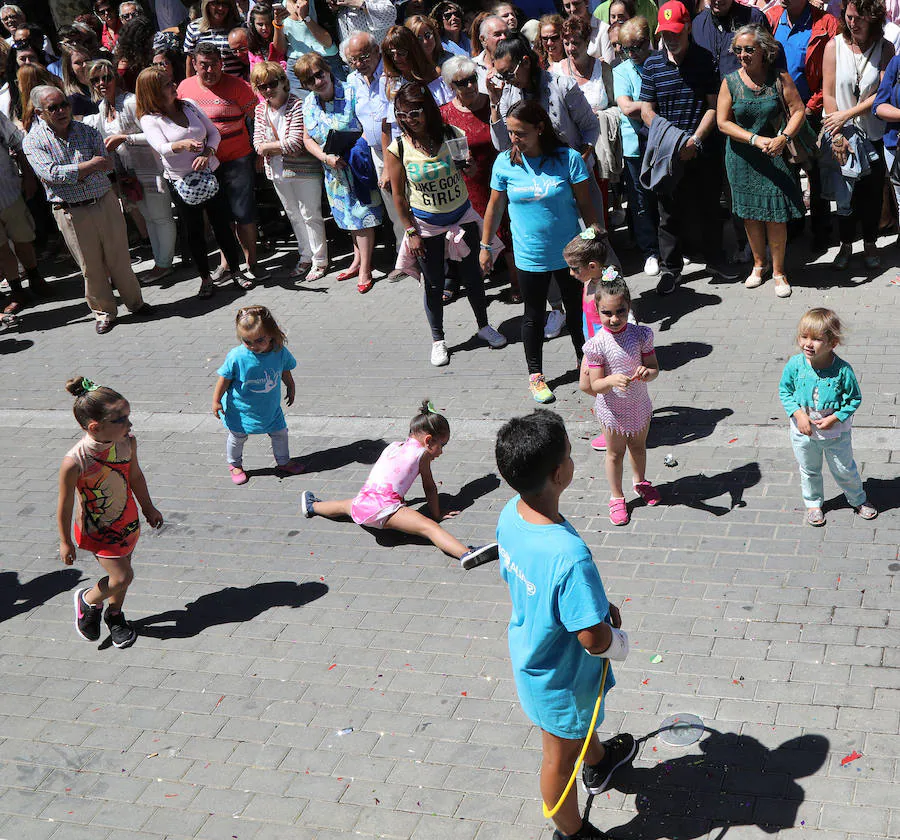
x,y
222,721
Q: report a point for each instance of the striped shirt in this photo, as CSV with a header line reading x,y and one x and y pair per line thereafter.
x,y
678,91
55,160
219,37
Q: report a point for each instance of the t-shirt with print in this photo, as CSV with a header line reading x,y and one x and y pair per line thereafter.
x,y
556,591
542,210
436,190
252,402
227,104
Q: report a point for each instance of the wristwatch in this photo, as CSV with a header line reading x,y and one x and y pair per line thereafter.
x,y
697,142
784,134
307,19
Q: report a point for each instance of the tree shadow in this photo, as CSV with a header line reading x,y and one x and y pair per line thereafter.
x,y
17,598
232,605
679,353
694,491
673,425
735,782
359,452
650,308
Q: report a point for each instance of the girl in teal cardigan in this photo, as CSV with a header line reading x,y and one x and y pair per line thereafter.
x,y
820,393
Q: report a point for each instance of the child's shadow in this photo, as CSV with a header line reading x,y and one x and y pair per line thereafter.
x,y
674,425
737,781
884,493
228,606
650,307
17,598
359,452
693,491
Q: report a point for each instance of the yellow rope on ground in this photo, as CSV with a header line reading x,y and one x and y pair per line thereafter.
x,y
549,812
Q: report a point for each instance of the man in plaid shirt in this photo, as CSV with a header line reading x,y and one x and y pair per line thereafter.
x,y
70,159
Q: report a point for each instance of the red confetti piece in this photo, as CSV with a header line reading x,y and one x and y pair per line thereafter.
x,y
732,440
646,682
332,667
848,758
219,701
171,795
627,600
464,693
321,578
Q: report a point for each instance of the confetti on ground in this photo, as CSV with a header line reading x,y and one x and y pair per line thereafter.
x,y
655,660
153,755
464,693
332,666
848,758
645,682
218,701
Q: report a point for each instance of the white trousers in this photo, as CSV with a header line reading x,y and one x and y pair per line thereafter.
x,y
399,229
302,201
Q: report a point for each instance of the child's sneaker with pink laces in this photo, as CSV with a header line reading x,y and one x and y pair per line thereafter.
x,y
647,492
618,512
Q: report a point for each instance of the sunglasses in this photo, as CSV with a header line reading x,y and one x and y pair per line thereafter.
x,y
399,52
509,75
315,77
413,114
451,14
104,12
634,49
59,106
273,85
549,39
747,50
467,81
129,16
362,58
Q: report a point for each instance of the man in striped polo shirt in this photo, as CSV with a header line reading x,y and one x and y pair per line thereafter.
x,y
680,83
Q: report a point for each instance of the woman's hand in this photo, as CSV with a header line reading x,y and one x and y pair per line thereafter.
x,y
269,149
384,182
200,163
153,516
302,8
416,248
840,148
114,141
494,86
279,13
290,389
835,122
486,261
67,552
187,146
803,423
776,146
335,161
615,617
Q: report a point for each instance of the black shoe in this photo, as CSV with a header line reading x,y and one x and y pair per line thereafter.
x,y
667,284
723,270
87,618
586,832
145,310
479,556
619,750
123,634
306,504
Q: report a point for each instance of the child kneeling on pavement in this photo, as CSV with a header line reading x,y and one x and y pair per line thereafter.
x,y
562,625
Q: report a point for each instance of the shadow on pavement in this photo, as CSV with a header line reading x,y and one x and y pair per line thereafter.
x,y
228,606
650,308
679,353
694,491
673,425
10,345
884,493
465,497
735,782
17,598
359,452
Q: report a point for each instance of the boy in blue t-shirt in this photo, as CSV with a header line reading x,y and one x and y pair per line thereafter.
x,y
562,625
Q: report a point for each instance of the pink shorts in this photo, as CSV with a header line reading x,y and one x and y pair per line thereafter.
x,y
372,507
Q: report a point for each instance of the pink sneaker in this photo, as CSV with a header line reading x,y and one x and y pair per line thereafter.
x,y
647,492
238,476
599,443
618,512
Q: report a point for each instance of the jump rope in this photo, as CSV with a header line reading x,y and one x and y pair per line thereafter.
x,y
549,812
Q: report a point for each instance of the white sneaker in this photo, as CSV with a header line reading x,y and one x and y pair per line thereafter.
x,y
556,320
651,266
492,337
439,354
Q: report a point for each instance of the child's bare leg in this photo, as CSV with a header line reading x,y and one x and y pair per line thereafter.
x,y
637,454
331,510
410,521
114,586
616,445
559,757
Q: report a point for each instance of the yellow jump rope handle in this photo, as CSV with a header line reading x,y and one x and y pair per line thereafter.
x,y
549,812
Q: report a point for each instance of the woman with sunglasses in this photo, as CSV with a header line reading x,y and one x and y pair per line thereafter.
x,y
125,140
429,35
549,46
450,21
751,113
470,111
433,203
331,106
643,216
186,140
294,172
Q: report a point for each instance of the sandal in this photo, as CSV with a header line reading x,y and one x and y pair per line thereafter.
x,y
447,296
317,272
346,275
301,269
244,282
207,289
815,517
362,288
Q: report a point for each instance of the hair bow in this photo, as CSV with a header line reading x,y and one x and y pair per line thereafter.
x,y
429,407
88,385
610,274
589,233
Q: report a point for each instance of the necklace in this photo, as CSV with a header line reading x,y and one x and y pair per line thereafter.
x,y
859,66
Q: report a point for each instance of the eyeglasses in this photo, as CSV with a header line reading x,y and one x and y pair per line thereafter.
x,y
634,49
748,50
127,16
59,106
105,12
362,58
451,14
399,52
413,114
273,85
426,35
467,81
96,80
509,75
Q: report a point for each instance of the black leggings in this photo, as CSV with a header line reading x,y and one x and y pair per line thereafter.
x,y
193,232
468,271
533,286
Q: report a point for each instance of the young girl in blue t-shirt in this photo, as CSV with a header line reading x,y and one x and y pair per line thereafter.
x,y
820,394
247,396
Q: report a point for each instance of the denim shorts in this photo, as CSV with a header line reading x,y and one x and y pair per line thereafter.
x,y
237,179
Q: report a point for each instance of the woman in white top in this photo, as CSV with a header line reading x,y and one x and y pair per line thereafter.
x,y
854,62
122,136
183,136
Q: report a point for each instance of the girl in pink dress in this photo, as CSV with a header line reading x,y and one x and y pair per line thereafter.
x,y
619,361
380,503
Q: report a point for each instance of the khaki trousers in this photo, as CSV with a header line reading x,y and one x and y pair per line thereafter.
x,y
98,241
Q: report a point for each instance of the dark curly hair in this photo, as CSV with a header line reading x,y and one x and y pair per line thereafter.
x,y
135,43
874,10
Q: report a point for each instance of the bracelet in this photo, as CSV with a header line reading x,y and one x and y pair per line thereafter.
x,y
484,247
697,142
277,25
785,135
411,231
753,139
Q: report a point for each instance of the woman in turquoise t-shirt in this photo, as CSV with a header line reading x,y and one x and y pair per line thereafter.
x,y
545,185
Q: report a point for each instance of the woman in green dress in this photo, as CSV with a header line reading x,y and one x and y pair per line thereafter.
x,y
760,111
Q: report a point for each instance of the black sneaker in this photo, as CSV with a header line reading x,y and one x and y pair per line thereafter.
x,y
123,634
586,832
306,504
478,555
87,618
723,270
619,750
667,284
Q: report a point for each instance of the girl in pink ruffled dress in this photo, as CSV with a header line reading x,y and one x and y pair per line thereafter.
x,y
380,503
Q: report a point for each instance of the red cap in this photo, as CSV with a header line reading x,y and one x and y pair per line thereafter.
x,y
673,17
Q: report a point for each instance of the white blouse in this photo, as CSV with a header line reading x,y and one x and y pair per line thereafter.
x,y
162,132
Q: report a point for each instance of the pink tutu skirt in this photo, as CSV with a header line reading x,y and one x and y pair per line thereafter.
x,y
373,506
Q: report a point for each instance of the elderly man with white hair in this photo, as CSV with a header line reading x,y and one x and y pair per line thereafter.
x,y
71,161
492,31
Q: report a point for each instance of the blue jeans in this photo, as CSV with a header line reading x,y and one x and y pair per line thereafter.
x,y
234,447
644,217
838,454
